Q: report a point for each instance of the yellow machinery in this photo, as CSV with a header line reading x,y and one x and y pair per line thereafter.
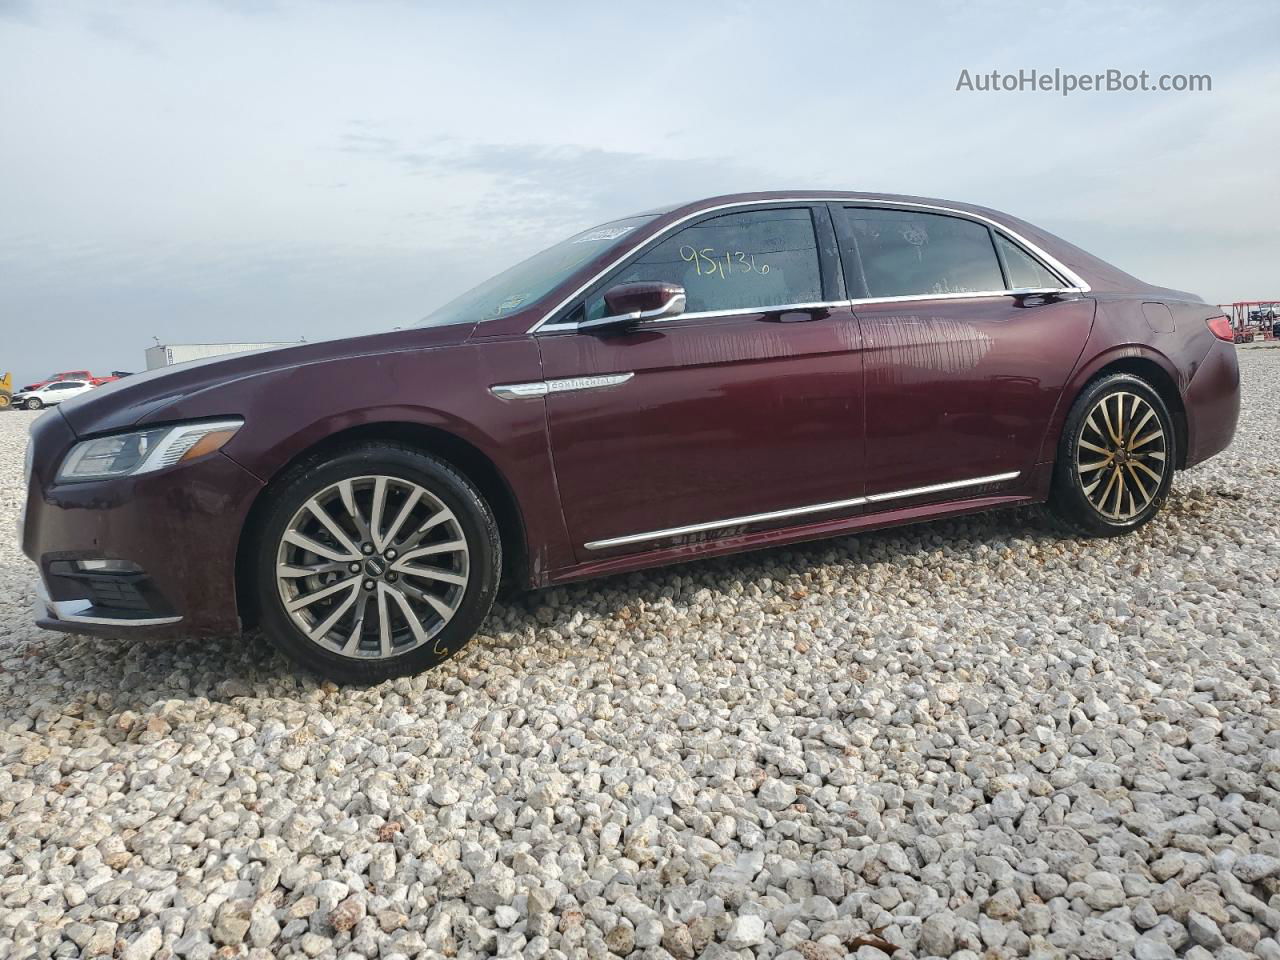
x,y
6,391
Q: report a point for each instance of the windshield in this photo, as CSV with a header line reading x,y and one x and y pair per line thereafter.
x,y
529,281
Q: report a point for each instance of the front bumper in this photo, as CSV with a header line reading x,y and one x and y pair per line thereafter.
x,y
179,527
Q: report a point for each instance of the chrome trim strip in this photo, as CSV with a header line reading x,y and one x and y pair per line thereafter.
x,y
540,388
698,314
797,511
970,295
1079,284
69,611
717,524
519,391
781,308
850,304
939,487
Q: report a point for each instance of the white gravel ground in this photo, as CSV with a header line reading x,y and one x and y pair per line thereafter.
x,y
970,738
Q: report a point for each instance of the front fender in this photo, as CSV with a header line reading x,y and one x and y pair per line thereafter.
x,y
289,411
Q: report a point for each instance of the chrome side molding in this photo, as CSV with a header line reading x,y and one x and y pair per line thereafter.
x,y
799,511
940,487
540,388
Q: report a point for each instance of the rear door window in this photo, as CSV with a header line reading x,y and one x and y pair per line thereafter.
x,y
901,253
1025,271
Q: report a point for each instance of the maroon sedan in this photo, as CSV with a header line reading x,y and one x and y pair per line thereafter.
x,y
733,373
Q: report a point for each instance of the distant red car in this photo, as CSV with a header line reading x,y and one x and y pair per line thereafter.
x,y
732,373
70,375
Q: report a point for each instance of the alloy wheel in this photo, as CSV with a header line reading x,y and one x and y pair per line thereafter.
x,y
372,567
1121,456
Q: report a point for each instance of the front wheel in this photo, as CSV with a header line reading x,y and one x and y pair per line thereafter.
x,y
379,563
1115,457
34,403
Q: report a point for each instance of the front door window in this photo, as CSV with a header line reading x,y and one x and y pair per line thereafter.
x,y
739,261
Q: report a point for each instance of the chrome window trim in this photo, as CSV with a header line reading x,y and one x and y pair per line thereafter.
x,y
699,314
851,304
747,311
967,295
798,511
1077,283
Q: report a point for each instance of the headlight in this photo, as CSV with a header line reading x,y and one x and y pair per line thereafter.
x,y
145,450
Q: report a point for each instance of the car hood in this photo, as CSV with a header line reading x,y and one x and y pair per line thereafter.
x,y
144,397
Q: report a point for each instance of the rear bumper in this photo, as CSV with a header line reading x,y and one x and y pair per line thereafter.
x,y
1212,402
179,527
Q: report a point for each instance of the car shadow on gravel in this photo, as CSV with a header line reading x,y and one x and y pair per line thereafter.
x,y
114,675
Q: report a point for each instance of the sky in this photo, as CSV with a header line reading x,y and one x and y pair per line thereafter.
x,y
249,170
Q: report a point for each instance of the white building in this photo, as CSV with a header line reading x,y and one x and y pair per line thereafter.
x,y
167,354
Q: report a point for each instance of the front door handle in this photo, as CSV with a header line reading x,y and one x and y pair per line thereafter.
x,y
800,315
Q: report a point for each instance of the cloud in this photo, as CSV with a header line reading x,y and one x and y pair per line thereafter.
x,y
21,11
570,183
195,170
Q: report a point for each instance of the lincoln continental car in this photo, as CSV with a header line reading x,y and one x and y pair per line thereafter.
x,y
734,373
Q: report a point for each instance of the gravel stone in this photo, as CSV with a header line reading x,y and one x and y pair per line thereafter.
x,y
978,737
746,931
1204,931
144,946
775,794
938,935
1255,867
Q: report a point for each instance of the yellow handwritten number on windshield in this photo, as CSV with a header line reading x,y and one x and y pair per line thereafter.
x,y
723,265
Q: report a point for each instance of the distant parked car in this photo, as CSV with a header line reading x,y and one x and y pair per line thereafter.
x,y
51,394
72,375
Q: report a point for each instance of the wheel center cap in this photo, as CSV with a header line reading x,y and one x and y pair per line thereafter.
x,y
375,566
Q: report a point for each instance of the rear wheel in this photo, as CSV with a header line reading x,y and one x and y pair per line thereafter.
x,y
379,563
1115,458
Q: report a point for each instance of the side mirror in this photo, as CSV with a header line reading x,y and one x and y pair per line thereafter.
x,y
631,304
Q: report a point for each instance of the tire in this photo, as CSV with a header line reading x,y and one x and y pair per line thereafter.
x,y
34,403
428,509
1114,467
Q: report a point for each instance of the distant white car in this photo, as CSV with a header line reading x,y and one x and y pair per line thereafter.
x,y
51,394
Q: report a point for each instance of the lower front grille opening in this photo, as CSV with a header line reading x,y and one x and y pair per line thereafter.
x,y
112,590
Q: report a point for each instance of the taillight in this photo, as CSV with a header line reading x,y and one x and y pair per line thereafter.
x,y
1220,327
